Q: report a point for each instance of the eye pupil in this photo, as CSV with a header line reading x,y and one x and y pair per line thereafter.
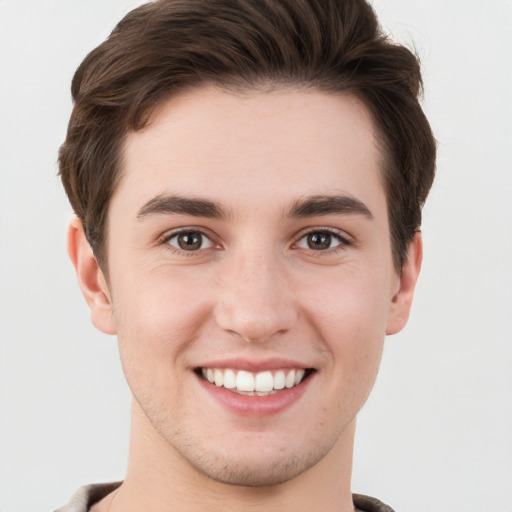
x,y
319,241
190,241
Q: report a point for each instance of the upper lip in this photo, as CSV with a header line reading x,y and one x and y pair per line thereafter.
x,y
252,365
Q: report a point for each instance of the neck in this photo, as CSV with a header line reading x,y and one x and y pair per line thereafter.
x,y
160,479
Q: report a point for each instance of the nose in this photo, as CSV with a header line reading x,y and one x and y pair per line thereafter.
x,y
255,300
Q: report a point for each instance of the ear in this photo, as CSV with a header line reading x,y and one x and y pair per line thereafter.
x,y
90,278
402,301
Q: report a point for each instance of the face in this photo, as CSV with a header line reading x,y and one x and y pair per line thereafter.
x,y
251,281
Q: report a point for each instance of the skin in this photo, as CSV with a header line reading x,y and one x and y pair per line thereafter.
x,y
255,290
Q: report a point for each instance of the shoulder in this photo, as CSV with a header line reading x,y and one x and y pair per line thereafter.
x,y
368,504
86,496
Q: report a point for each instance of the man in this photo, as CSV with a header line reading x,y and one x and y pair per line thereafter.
x,y
248,178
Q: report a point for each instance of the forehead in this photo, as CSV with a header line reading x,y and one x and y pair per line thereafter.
x,y
284,143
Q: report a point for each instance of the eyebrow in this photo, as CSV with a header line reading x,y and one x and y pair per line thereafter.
x,y
196,207
305,207
326,205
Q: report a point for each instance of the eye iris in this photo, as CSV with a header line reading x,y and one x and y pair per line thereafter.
x,y
190,241
319,241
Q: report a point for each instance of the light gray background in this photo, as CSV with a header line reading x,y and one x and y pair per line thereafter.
x,y
436,435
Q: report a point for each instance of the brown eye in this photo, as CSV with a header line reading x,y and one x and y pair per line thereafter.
x,y
320,241
190,241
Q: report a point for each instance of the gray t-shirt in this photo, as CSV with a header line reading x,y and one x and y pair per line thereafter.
x,y
88,495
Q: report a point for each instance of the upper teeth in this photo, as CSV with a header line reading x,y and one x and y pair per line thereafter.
x,y
261,382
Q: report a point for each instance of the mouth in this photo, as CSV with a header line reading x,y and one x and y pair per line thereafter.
x,y
264,383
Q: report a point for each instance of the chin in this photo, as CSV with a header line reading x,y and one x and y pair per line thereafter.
x,y
255,474
252,462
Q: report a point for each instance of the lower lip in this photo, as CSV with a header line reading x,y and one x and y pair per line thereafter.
x,y
256,406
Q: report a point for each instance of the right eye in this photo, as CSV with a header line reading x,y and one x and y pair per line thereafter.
x,y
190,241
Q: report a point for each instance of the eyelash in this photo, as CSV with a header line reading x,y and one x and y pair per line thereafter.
x,y
343,242
166,239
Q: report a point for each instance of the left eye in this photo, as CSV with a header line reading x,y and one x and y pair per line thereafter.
x,y
190,241
319,241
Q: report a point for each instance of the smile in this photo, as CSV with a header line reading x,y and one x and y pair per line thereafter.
x,y
254,384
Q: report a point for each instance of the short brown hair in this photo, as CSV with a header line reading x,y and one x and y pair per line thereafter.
x,y
168,45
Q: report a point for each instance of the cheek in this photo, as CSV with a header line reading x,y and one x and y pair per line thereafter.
x,y
350,316
157,317
154,299
355,302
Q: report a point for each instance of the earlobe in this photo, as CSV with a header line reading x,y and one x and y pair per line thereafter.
x,y
401,303
90,278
